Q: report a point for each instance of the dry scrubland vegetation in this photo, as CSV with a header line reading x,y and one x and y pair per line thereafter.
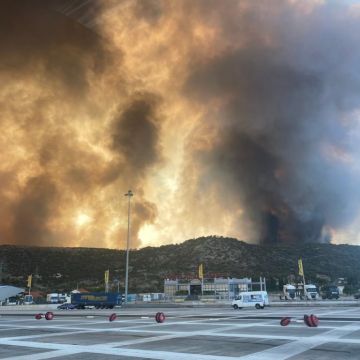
x,y
62,269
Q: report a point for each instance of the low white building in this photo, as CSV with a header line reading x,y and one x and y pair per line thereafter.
x,y
220,288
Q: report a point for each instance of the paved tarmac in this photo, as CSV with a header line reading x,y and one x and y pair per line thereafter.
x,y
187,334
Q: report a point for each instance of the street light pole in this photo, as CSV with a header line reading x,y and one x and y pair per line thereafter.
x,y
129,194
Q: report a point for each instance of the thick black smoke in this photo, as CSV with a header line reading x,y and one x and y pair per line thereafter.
x,y
36,207
282,143
135,133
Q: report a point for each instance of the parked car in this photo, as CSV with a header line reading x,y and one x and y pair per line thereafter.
x,y
66,306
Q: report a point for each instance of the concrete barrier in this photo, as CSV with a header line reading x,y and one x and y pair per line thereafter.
x,y
35,307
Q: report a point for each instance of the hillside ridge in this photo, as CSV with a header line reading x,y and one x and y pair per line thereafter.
x,y
55,268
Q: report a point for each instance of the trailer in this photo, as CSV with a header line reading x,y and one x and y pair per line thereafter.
x,y
99,300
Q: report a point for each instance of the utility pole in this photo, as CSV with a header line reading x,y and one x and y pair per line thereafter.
x,y
129,194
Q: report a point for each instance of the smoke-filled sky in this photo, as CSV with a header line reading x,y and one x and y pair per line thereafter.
x,y
235,118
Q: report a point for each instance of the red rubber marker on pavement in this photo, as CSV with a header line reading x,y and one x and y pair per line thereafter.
x,y
315,320
49,315
285,321
309,320
160,317
112,317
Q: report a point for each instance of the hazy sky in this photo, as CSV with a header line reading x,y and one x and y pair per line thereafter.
x,y
234,118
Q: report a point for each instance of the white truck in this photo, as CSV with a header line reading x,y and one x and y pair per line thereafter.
x,y
311,292
257,299
57,298
289,292
52,298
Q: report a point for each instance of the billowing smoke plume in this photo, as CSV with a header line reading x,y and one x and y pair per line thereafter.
x,y
273,141
74,139
236,118
283,147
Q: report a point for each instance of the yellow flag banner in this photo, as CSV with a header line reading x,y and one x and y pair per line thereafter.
x,y
301,269
29,281
107,272
201,271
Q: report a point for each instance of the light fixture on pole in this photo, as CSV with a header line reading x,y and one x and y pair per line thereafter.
x,y
129,194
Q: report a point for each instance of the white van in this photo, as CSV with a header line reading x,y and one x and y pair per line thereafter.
x,y
257,299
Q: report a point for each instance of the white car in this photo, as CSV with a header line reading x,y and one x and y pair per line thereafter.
x,y
257,299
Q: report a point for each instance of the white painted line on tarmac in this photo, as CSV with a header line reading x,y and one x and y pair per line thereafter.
x,y
333,311
302,343
105,350
43,355
286,351
11,328
173,335
95,348
146,340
